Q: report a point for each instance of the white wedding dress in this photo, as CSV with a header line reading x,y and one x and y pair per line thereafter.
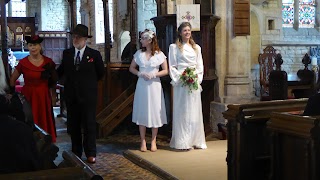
x,y
148,106
187,122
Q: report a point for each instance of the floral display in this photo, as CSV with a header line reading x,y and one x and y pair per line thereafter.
x,y
189,78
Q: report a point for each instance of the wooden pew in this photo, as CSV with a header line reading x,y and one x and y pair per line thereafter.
x,y
71,160
47,150
52,174
248,154
70,168
295,147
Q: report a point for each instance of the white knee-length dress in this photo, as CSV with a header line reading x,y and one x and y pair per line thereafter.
x,y
148,105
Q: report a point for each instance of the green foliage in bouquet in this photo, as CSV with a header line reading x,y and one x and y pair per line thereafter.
x,y
189,78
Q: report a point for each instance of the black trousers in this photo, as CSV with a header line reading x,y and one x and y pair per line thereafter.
x,y
81,124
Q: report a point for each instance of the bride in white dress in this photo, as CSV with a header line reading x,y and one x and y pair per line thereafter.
x,y
187,122
148,105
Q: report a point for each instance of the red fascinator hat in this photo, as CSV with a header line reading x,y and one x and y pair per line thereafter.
x,y
34,39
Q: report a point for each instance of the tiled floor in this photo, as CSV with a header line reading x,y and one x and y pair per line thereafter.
x,y
111,164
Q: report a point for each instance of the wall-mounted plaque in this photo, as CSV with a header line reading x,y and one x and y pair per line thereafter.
x,y
19,29
28,29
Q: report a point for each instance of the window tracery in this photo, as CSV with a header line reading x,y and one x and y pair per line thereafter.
x,y
305,17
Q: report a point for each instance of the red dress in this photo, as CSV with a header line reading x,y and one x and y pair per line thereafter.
x,y
36,92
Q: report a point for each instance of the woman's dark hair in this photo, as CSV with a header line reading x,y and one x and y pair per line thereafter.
x,y
154,43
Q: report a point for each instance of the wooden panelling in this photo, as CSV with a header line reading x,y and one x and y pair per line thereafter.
x,y
18,29
249,156
54,42
241,18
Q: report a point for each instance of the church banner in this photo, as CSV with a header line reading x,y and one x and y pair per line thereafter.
x,y
172,5
189,13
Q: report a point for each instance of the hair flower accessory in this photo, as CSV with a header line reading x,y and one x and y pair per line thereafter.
x,y
148,34
190,78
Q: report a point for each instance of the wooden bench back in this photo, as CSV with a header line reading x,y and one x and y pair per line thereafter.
x,y
295,146
248,145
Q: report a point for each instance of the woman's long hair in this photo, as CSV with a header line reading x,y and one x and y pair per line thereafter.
x,y
179,41
154,43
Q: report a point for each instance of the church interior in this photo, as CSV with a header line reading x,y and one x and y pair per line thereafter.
x,y
261,65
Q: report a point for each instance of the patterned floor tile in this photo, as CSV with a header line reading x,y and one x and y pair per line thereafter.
x,y
111,164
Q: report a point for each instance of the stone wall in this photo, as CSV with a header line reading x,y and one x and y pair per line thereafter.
x,y
147,9
33,8
54,15
292,56
292,43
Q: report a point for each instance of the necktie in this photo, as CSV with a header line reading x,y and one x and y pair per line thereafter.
x,y
77,62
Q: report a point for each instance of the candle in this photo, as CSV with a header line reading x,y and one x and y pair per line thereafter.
x,y
21,37
314,61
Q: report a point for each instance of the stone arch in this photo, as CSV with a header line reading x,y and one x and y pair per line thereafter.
x,y
255,37
260,18
256,29
124,45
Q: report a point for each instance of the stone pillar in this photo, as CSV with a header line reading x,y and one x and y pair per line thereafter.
x,y
234,84
296,15
84,11
317,25
232,59
9,9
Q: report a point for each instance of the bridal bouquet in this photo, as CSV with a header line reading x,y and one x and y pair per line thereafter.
x,y
189,78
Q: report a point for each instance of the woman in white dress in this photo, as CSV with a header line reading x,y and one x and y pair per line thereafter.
x,y
148,105
187,122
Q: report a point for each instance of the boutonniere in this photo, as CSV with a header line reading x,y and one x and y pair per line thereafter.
x,y
90,60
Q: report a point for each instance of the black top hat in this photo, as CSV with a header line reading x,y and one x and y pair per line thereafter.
x,y
81,30
34,39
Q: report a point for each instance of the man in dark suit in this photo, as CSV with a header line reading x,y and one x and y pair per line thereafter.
x,y
81,67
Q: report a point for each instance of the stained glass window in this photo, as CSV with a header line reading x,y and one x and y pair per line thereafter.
x,y
307,12
287,13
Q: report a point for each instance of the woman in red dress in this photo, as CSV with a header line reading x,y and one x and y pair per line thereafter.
x,y
38,73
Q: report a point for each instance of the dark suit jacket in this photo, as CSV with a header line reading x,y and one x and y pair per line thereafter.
x,y
82,84
313,106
